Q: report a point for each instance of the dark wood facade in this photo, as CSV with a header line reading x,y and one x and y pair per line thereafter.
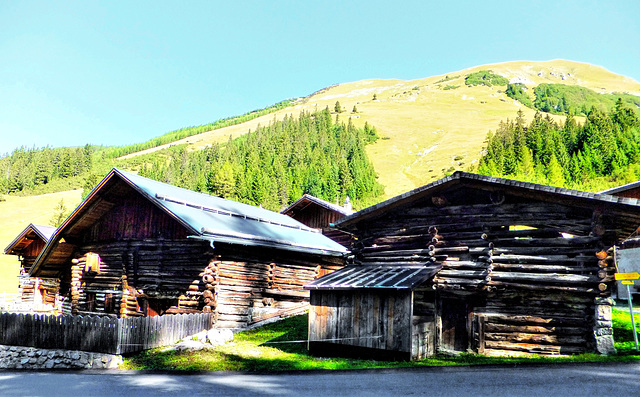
x,y
39,293
525,269
320,214
121,254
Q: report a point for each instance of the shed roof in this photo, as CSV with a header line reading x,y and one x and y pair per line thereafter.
x,y
308,199
627,209
23,239
207,217
621,189
382,277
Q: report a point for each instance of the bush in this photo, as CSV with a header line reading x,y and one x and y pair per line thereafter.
x,y
518,91
485,77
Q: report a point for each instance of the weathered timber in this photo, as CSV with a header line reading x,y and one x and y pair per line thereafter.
x,y
463,273
553,278
448,264
532,319
535,348
521,337
526,267
534,329
502,255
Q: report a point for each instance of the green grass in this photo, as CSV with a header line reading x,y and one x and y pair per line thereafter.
x,y
262,349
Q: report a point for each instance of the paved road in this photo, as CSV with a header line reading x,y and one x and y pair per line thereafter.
x,y
559,380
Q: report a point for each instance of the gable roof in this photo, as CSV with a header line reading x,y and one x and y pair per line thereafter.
x,y
621,206
308,199
206,217
22,240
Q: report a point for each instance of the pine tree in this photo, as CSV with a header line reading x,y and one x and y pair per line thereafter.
x,y
60,213
555,175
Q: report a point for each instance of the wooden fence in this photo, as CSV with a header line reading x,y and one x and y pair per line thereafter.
x,y
99,334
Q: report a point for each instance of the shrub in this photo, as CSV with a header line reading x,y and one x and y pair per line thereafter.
x,y
485,77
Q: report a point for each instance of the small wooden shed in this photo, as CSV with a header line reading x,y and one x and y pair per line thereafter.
x,y
40,292
508,268
139,247
320,214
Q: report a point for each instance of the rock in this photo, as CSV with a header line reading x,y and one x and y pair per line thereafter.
x,y
189,345
49,364
219,337
200,336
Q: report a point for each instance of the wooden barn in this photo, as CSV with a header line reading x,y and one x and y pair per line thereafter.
x,y
472,263
40,293
138,247
630,190
320,214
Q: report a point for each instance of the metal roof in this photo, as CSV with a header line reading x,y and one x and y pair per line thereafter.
x,y
366,277
44,232
217,219
209,218
620,189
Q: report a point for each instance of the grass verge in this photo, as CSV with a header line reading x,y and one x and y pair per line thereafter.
x,y
263,349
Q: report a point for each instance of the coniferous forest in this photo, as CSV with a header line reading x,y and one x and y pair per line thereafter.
x,y
585,156
272,166
276,164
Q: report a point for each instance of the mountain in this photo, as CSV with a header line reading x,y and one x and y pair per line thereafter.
x,y
432,125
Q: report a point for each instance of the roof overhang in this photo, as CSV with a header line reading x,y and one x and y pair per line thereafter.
x,y
621,205
375,277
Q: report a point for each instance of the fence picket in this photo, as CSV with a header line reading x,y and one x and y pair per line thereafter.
x,y
99,334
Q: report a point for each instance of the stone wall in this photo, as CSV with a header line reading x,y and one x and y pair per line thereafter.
x,y
603,327
20,357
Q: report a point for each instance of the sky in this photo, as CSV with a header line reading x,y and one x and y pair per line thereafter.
x,y
122,72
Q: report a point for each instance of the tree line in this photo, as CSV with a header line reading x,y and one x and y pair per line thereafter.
x,y
602,151
28,169
276,164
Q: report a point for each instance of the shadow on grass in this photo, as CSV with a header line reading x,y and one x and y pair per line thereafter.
x,y
281,346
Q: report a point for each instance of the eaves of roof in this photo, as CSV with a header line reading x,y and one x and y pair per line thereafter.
x,y
493,183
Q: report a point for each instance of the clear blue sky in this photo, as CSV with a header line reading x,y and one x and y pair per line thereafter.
x,y
121,72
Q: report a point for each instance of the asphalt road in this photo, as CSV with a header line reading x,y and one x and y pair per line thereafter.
x,y
557,380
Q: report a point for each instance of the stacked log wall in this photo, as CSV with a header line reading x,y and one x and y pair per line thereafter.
x,y
243,291
241,287
504,252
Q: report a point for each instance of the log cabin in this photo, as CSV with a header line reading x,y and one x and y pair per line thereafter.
x,y
320,214
39,293
139,247
479,264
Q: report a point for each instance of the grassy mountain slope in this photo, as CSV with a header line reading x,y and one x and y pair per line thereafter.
x,y
15,214
436,124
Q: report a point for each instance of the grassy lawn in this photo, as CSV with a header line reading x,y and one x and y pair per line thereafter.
x,y
262,349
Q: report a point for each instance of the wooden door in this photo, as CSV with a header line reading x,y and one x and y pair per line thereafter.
x,y
454,335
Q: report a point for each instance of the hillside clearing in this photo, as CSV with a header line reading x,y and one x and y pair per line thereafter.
x,y
407,113
18,212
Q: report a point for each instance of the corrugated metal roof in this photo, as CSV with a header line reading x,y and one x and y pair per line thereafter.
x,y
366,277
44,232
217,219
